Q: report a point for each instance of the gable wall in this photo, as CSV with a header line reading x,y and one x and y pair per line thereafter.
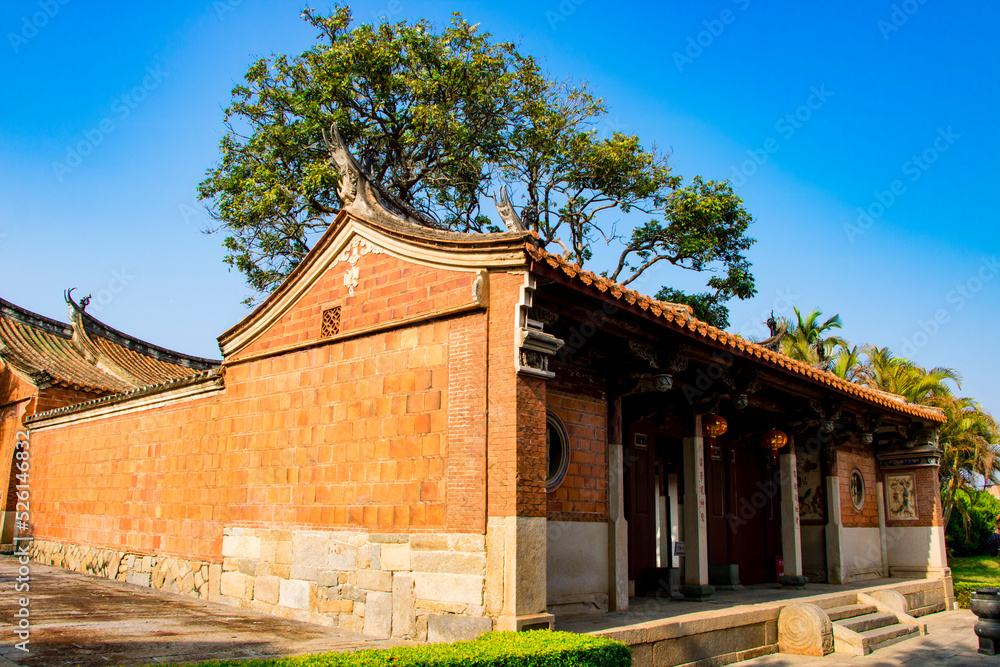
x,y
385,431
385,290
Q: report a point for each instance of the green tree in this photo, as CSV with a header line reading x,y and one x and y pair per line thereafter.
x,y
443,119
897,375
969,441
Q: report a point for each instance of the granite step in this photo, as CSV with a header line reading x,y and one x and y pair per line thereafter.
x,y
862,624
849,611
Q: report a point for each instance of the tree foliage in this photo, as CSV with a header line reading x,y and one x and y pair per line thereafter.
x,y
443,119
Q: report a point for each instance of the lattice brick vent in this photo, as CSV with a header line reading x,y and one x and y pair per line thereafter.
x,y
331,322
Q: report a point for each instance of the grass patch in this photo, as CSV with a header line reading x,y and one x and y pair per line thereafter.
x,y
971,573
539,648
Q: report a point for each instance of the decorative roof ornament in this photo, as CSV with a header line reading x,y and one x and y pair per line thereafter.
x,y
359,192
507,212
778,330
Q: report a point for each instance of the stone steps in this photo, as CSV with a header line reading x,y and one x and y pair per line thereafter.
x,y
862,628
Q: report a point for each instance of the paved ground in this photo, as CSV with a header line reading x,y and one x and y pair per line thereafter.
x,y
949,642
79,620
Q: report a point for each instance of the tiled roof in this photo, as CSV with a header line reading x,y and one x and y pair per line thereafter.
x,y
136,361
680,318
216,374
43,350
88,354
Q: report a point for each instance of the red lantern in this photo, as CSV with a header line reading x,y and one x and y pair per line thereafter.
x,y
714,425
774,440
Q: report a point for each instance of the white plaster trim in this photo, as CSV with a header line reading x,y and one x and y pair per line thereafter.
x,y
338,250
207,387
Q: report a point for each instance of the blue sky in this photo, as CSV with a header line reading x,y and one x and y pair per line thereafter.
x,y
861,135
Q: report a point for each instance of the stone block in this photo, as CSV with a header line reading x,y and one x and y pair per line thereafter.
x,y
138,578
294,593
375,580
242,546
449,562
335,606
310,549
468,543
351,623
237,585
378,615
394,557
342,556
403,611
429,542
214,581
448,587
449,628
267,589
283,553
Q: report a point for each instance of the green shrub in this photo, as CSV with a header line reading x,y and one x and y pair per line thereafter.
x,y
539,648
965,589
982,510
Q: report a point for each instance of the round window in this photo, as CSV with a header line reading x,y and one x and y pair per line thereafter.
x,y
856,487
557,445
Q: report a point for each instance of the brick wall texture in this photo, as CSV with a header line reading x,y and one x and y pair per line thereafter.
x,y
583,494
850,457
385,431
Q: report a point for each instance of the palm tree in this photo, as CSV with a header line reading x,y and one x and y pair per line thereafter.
x,y
896,375
848,364
969,441
807,341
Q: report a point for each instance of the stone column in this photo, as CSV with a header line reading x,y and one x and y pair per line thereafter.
x,y
617,531
834,523
791,534
695,517
882,536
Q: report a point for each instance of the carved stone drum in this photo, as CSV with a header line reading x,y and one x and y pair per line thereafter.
x,y
986,605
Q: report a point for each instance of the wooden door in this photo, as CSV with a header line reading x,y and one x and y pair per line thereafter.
x,y
755,515
640,508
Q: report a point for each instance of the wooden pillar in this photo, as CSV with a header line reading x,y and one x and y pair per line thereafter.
x,y
695,516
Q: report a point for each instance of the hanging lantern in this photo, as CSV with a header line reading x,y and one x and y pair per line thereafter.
x,y
774,440
713,425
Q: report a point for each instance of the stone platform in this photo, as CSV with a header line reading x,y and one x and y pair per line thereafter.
x,y
733,626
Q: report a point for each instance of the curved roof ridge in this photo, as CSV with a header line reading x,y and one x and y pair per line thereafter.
x,y
34,320
91,324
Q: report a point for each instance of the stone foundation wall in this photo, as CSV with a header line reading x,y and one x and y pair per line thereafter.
x,y
427,587
191,578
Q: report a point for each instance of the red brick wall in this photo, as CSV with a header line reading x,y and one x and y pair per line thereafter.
x,y
15,399
388,289
852,456
343,435
929,510
582,496
516,404
59,397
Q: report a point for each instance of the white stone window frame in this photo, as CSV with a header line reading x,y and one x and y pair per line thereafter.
x,y
555,481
